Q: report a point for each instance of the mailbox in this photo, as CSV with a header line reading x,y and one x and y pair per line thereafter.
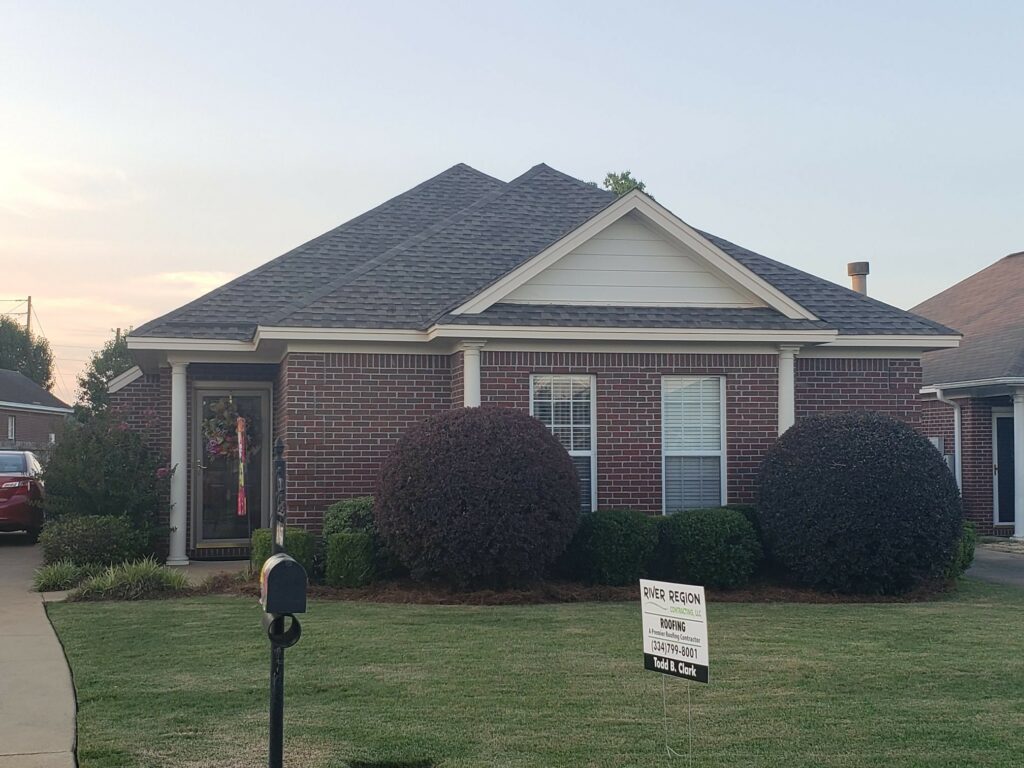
x,y
283,586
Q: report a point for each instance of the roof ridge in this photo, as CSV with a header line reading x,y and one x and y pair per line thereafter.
x,y
590,185
376,261
390,202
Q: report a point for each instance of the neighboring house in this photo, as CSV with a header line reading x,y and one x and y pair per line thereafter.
x,y
30,417
974,395
665,359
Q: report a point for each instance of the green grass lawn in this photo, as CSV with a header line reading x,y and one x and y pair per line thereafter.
x,y
183,683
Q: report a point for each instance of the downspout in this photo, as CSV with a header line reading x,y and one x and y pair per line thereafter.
x,y
940,396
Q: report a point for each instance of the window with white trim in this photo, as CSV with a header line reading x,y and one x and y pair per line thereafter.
x,y
693,441
10,427
566,406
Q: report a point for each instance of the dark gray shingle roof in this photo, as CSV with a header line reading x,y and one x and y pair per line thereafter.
x,y
17,388
410,261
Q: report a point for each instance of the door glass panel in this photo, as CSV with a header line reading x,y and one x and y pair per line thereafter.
x,y
232,469
1004,460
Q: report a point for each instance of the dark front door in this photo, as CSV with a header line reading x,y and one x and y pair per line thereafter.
x,y
232,473
1004,469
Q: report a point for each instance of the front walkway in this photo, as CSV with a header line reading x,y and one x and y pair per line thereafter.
x,y
37,699
998,567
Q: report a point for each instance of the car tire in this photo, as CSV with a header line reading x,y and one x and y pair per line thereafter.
x,y
33,535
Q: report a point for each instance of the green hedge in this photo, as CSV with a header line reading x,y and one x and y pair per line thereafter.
x,y
350,560
964,555
611,547
298,542
92,540
353,515
716,547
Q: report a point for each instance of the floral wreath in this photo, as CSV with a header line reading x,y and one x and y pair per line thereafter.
x,y
220,430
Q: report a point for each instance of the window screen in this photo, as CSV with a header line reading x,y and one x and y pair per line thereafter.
x,y
692,441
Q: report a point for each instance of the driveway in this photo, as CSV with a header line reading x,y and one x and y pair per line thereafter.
x,y
37,698
998,567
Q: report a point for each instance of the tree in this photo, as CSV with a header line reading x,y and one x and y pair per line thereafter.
x,y
621,183
25,352
112,360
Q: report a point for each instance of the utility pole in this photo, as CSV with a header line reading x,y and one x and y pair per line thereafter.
x,y
28,317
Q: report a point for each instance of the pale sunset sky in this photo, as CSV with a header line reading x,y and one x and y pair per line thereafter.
x,y
151,151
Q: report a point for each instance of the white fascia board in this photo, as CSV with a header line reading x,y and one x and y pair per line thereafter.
x,y
667,222
1001,381
121,381
188,345
638,334
35,408
920,342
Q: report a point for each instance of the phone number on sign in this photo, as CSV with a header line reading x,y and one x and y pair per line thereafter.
x,y
672,649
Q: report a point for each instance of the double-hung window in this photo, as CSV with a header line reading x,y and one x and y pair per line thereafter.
x,y
693,441
566,406
10,428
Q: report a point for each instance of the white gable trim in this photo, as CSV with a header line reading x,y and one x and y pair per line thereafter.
x,y
122,380
665,220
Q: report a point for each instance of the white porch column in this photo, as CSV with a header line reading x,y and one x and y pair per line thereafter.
x,y
471,373
179,462
1018,464
787,386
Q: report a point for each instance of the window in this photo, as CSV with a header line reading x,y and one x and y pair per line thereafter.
x,y
693,441
565,404
53,438
10,427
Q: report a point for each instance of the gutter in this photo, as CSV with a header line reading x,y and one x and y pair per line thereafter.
x,y
940,395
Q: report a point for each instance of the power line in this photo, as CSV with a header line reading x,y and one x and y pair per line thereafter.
x,y
68,391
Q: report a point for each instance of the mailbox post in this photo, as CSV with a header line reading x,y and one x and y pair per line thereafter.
x,y
282,595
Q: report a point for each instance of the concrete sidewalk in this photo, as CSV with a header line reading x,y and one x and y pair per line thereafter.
x,y
997,567
37,699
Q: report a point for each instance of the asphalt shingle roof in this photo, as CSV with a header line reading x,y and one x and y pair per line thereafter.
x,y
409,262
988,308
18,388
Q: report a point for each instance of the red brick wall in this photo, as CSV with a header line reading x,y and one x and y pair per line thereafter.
x,y
344,412
32,429
629,412
827,385
938,420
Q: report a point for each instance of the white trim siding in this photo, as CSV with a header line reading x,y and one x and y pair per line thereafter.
x,y
560,414
692,427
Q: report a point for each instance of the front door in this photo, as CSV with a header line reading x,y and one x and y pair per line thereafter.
x,y
232,471
1003,468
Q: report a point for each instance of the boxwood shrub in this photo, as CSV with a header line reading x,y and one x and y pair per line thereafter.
x,y
92,540
349,560
298,542
964,554
478,495
858,503
355,515
716,547
611,547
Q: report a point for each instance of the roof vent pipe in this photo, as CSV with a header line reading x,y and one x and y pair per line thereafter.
x,y
858,272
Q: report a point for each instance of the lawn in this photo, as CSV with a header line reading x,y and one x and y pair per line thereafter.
x,y
183,683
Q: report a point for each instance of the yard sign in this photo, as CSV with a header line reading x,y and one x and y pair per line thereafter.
x,y
675,629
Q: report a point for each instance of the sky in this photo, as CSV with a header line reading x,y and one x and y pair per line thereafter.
x,y
149,152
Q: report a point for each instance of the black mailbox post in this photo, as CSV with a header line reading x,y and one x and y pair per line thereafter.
x,y
282,595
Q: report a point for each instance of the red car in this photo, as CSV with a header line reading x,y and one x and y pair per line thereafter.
x,y
21,492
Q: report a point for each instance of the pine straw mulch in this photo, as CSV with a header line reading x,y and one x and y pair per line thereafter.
x,y
547,592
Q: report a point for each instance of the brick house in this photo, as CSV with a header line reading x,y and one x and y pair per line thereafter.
x,y
974,395
666,360
30,417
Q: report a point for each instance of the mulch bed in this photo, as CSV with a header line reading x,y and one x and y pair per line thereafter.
x,y
411,592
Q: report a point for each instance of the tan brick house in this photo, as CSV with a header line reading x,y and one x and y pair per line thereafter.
x,y
665,359
974,395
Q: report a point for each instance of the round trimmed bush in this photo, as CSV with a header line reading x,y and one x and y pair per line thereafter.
x,y
858,503
716,547
478,495
612,546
